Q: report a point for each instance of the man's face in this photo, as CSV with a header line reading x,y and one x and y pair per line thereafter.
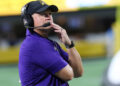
x,y
42,18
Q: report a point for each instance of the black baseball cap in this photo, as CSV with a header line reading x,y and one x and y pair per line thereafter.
x,y
40,6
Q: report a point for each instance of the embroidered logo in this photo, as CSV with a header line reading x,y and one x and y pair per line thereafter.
x,y
43,3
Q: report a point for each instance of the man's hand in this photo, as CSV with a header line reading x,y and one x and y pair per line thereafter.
x,y
62,34
74,57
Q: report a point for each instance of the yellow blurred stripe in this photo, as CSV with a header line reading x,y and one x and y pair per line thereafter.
x,y
89,50
13,7
9,55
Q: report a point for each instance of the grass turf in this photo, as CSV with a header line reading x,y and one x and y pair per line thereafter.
x,y
93,71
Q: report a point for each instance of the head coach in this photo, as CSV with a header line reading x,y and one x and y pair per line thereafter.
x,y
42,62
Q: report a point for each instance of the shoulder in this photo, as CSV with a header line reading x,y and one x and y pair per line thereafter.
x,y
39,42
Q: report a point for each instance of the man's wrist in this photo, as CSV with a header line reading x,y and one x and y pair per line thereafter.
x,y
70,46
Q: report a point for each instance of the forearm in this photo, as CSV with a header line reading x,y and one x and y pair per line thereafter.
x,y
74,57
75,62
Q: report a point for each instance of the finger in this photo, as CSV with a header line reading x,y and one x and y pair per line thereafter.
x,y
48,27
55,26
57,31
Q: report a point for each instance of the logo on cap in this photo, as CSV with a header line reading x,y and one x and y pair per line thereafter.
x,y
42,3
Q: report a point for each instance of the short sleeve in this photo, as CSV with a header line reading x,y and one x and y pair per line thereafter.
x,y
63,53
46,56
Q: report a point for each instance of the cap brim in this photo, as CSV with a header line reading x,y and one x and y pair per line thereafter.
x,y
52,8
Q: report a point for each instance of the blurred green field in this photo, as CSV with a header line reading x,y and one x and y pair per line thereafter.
x,y
93,72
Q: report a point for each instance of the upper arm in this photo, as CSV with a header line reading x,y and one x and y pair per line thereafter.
x,y
65,73
50,60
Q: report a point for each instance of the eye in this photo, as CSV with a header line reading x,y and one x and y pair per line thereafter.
x,y
50,13
45,14
41,14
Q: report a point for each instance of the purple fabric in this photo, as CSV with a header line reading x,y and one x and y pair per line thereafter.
x,y
39,61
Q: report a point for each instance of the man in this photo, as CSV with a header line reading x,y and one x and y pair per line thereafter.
x,y
42,62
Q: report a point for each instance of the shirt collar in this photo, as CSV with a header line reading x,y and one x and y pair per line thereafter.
x,y
28,33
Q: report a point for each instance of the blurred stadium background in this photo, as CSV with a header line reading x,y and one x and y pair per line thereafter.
x,y
94,25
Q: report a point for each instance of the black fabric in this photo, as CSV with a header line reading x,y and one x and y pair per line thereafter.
x,y
40,6
34,7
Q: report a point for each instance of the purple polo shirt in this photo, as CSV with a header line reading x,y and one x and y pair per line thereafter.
x,y
39,60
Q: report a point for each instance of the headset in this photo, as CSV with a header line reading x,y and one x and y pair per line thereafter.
x,y
28,20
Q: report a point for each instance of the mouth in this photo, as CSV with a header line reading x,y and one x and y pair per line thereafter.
x,y
46,24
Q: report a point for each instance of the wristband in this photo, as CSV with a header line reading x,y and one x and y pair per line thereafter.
x,y
70,46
